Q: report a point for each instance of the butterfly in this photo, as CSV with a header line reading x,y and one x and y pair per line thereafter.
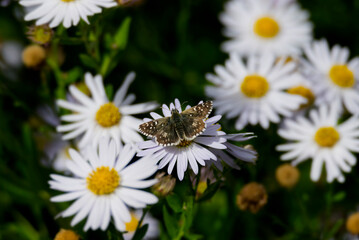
x,y
187,125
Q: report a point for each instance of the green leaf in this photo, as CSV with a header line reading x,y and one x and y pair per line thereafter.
x,y
73,75
334,229
109,91
121,36
88,61
339,196
188,214
175,202
170,223
140,233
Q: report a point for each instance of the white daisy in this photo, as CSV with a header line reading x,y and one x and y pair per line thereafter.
x,y
335,79
234,152
263,26
322,139
67,12
97,116
153,230
255,92
105,185
193,152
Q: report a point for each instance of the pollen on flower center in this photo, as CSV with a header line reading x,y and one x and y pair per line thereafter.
x,y
108,115
266,27
326,136
103,180
254,86
184,143
131,226
68,0
342,76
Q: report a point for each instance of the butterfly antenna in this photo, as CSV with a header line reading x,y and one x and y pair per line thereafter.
x,y
183,104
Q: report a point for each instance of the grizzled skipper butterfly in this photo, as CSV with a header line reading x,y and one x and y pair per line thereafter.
x,y
187,125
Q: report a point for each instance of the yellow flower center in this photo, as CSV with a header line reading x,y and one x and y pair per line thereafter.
x,y
266,27
254,86
68,0
326,136
103,181
131,226
108,115
342,76
183,144
304,92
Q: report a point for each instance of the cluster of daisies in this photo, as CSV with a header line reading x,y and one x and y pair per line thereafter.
x,y
275,73
276,69
112,163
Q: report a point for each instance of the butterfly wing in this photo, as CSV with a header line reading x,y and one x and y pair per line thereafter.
x,y
201,110
193,119
193,127
162,130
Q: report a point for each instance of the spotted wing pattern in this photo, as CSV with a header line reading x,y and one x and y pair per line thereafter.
x,y
201,110
163,130
194,119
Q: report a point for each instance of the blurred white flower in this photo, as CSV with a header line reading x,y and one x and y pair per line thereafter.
x,y
255,92
334,78
264,26
67,12
322,139
97,116
153,230
104,185
10,58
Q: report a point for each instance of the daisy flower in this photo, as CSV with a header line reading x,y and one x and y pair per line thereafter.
x,y
334,77
96,116
194,152
262,26
254,92
322,139
67,12
153,230
104,185
233,152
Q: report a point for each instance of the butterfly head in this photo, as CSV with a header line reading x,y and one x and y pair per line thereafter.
x,y
174,111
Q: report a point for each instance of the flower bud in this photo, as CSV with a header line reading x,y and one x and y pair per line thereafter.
x,y
252,197
64,234
33,56
352,223
164,186
287,175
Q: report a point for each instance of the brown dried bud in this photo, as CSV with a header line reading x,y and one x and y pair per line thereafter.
x,y
252,197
